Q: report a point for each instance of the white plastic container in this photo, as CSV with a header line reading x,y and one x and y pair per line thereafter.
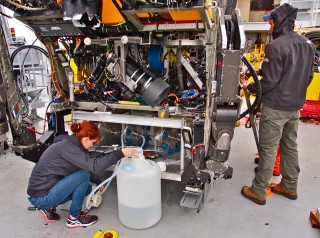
x,y
139,192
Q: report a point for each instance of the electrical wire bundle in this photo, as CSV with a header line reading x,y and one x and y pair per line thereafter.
x,y
189,101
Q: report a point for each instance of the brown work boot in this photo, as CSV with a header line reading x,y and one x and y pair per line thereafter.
x,y
277,188
249,194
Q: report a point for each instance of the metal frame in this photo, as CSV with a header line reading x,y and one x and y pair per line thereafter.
x,y
206,23
173,172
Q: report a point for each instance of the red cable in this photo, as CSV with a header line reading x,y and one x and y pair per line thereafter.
x,y
193,151
44,123
176,101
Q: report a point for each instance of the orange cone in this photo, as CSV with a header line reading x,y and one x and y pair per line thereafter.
x,y
276,169
268,192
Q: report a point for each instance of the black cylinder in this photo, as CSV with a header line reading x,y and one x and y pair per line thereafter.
x,y
154,90
137,74
98,70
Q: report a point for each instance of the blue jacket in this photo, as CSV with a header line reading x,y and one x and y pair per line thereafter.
x,y
64,157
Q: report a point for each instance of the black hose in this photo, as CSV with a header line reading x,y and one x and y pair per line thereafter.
x,y
258,88
314,37
13,55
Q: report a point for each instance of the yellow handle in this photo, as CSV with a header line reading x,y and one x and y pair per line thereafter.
x,y
113,232
128,102
98,234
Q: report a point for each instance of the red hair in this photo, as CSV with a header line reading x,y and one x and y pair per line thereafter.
x,y
86,129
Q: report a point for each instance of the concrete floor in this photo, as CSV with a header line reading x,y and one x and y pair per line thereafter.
x,y
226,213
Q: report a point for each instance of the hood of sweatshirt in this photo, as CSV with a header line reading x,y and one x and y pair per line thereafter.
x,y
283,17
73,138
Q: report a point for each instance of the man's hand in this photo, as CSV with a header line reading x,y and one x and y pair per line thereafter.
x,y
244,81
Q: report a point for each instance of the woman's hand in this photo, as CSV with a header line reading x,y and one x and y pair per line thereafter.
x,y
130,151
101,188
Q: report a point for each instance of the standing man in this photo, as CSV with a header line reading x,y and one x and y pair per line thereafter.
x,y
286,71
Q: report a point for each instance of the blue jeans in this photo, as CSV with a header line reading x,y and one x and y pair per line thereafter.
x,y
73,187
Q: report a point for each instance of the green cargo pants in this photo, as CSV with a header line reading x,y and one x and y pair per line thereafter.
x,y
277,127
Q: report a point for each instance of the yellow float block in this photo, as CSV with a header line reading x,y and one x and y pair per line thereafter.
x,y
313,92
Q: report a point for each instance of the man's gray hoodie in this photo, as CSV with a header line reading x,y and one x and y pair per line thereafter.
x,y
64,157
287,69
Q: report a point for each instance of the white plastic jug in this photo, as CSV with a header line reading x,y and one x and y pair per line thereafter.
x,y
139,192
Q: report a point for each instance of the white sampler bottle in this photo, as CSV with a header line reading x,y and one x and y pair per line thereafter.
x,y
139,192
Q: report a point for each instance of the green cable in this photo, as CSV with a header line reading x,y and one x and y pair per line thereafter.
x,y
119,24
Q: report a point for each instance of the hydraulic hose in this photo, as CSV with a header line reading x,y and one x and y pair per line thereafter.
x,y
258,88
122,140
134,133
143,140
154,143
107,181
